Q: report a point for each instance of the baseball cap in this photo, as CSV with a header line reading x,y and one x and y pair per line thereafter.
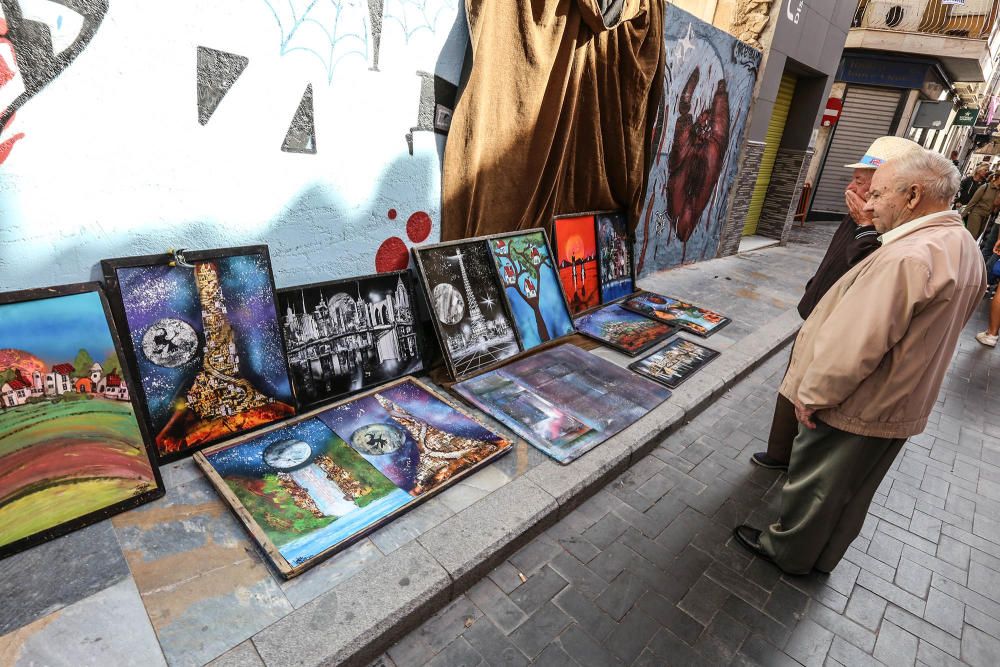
x,y
882,150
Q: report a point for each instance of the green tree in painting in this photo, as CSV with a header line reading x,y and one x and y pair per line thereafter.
x,y
7,375
82,364
112,365
527,255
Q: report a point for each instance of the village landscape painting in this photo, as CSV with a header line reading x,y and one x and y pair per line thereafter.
x,y
622,329
575,243
71,448
311,487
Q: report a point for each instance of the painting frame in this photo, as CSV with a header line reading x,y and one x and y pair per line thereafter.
x,y
271,551
637,366
110,268
630,248
671,331
692,329
90,518
556,238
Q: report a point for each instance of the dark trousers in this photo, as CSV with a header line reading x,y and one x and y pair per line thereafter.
x,y
784,428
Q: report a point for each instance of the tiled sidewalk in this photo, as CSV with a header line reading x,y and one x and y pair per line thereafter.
x,y
646,573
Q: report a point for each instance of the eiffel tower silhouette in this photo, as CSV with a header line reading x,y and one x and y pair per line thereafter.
x,y
476,319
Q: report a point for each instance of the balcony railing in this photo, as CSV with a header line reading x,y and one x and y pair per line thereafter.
x,y
972,20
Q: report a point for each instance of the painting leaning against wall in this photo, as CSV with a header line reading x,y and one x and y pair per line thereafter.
x,y
708,89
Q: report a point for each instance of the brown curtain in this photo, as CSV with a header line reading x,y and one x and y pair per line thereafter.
x,y
557,114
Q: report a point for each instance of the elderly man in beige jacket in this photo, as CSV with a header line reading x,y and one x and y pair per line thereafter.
x,y
869,361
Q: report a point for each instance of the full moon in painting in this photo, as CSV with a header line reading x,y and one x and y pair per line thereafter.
x,y
170,343
287,454
377,439
449,306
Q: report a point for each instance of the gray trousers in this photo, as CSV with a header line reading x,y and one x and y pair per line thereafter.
x,y
832,477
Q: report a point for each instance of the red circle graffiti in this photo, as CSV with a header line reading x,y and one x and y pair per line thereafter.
x,y
392,214
418,227
391,255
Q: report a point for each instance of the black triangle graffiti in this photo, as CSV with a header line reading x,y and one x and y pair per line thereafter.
x,y
217,72
301,135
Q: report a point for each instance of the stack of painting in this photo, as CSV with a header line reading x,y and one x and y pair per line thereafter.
x,y
675,312
675,362
311,486
594,258
72,450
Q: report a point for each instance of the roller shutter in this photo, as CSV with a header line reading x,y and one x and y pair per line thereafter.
x,y
775,129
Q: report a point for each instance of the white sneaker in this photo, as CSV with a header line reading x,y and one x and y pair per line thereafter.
x,y
986,339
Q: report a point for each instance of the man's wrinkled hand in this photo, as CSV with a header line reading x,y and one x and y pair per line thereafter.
x,y
804,415
856,206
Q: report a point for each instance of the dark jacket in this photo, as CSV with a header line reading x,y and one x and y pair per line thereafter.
x,y
968,188
851,244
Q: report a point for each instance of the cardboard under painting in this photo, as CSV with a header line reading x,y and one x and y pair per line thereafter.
x,y
72,450
310,487
623,330
347,335
675,362
204,341
563,400
675,312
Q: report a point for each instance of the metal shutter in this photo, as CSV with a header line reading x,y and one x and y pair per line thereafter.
x,y
867,115
775,128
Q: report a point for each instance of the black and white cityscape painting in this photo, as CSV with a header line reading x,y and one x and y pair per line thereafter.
x,y
347,335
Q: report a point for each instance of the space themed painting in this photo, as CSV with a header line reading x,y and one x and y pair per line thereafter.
x,y
204,341
310,487
347,335
468,308
708,86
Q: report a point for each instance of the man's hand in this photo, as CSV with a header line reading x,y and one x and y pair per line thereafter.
x,y
996,247
856,206
804,414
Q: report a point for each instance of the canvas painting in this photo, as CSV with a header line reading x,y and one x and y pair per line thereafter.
x,y
468,308
623,330
677,313
563,400
575,243
204,338
347,335
616,260
313,486
72,451
531,285
708,88
674,362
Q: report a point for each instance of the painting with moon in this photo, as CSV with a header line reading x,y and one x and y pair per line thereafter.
x,y
575,241
204,341
468,308
308,488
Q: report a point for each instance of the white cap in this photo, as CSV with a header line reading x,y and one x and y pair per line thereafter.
x,y
882,150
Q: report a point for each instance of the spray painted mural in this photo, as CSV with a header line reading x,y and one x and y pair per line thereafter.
x,y
315,126
708,87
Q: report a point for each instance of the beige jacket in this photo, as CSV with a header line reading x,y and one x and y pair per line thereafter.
x,y
982,201
871,357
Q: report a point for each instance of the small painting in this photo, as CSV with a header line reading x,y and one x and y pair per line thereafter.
x,y
615,258
623,330
677,313
310,487
532,288
72,451
674,362
344,336
468,308
204,339
575,240
563,400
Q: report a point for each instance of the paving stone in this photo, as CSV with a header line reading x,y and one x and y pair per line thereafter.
x,y
913,578
786,604
578,575
243,655
978,648
774,632
411,525
895,646
540,629
538,552
758,652
737,584
505,576
588,615
555,656
809,643
621,594
330,573
669,615
447,624
606,531
498,651
935,564
924,630
492,601
843,627
703,600
886,549
539,589
722,639
459,653
849,655
584,650
866,608
629,639
894,594
926,526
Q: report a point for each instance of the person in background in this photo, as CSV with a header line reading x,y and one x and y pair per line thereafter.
x,y
971,183
869,361
954,158
980,207
992,334
855,239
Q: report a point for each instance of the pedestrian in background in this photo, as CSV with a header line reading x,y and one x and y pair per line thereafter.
x,y
971,183
980,207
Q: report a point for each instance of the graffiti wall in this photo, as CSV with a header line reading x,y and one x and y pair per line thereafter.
x,y
131,127
708,87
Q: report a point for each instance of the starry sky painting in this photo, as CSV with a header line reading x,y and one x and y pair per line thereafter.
x,y
247,458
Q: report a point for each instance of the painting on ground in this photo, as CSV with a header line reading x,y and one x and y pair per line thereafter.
x,y
468,309
347,335
205,342
563,400
674,362
677,313
708,85
616,260
623,330
72,451
531,285
575,243
311,487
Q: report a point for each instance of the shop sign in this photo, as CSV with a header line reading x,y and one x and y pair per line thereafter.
x,y
966,116
831,114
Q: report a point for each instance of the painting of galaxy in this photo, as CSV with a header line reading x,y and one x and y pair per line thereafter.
x,y
616,259
71,448
575,241
623,330
347,335
532,287
468,308
563,400
205,343
675,362
675,312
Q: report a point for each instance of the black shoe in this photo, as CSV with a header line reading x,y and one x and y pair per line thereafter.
x,y
749,539
765,461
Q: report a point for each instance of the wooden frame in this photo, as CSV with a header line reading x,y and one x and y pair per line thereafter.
x,y
21,296
635,365
286,569
615,346
630,237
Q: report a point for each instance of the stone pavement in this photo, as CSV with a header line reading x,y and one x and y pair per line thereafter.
x,y
646,572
